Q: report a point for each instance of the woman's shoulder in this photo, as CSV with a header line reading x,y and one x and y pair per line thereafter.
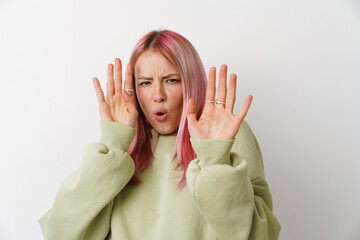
x,y
244,131
247,146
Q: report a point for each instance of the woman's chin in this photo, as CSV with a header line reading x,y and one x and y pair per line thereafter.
x,y
165,129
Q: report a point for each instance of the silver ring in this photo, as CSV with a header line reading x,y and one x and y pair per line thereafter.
x,y
129,91
218,102
212,101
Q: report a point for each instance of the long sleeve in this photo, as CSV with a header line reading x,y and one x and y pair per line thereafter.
x,y
228,184
83,203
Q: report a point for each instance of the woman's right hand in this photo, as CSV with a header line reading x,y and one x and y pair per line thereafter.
x,y
119,105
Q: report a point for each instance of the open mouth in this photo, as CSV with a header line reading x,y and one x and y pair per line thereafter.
x,y
160,115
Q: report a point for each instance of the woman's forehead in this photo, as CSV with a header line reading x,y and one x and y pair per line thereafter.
x,y
153,63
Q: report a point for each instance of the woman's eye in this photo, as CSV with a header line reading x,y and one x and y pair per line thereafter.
x,y
173,80
144,83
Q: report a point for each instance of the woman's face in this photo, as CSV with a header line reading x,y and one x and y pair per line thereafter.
x,y
159,91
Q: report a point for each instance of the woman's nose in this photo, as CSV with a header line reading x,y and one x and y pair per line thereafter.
x,y
159,95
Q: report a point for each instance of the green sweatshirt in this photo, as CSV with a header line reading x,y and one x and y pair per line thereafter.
x,y
226,196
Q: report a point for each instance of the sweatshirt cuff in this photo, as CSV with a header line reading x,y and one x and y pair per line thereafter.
x,y
116,135
212,151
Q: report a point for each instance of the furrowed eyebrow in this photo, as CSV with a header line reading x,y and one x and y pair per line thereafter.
x,y
167,76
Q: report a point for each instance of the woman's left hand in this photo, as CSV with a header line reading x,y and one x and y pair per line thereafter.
x,y
217,120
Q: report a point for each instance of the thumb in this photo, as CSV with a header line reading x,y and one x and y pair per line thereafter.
x,y
244,109
191,111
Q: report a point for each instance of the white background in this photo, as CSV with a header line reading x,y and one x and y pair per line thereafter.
x,y
299,59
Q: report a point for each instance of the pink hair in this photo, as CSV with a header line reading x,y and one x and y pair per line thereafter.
x,y
181,54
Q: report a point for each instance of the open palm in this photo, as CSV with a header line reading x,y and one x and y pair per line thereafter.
x,y
217,120
119,106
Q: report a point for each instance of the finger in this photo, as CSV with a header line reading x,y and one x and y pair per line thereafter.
x,y
128,85
210,88
118,76
191,111
110,81
98,90
231,95
221,96
244,109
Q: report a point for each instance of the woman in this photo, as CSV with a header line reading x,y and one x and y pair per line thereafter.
x,y
172,162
